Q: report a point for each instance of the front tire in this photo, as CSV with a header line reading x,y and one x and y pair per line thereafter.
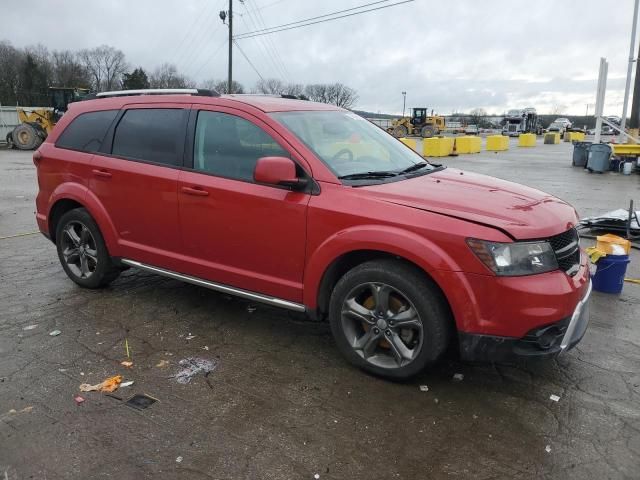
x,y
82,251
389,319
400,131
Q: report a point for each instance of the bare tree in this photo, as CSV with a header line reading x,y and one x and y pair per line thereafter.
x,y
67,70
558,109
296,89
167,76
105,65
221,86
341,95
317,93
270,86
10,59
478,116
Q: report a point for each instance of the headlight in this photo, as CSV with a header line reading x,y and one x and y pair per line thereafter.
x,y
518,258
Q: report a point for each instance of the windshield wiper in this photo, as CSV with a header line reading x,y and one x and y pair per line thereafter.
x,y
414,167
365,175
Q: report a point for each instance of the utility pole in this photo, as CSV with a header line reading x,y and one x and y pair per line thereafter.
x,y
629,70
224,16
404,101
229,87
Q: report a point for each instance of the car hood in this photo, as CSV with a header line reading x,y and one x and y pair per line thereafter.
x,y
521,212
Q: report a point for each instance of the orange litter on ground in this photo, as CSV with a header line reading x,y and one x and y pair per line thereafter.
x,y
111,384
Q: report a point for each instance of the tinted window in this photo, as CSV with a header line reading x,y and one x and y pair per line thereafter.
x,y
86,131
154,134
230,146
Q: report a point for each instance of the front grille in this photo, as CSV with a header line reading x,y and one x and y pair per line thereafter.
x,y
566,246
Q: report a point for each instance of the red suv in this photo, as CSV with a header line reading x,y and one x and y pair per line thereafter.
x,y
312,208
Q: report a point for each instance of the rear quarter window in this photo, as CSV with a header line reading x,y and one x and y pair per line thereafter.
x,y
151,134
87,131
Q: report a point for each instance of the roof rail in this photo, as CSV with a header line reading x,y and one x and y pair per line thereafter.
x,y
160,91
273,95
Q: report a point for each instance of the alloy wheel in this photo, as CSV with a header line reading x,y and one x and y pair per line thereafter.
x,y
382,325
79,249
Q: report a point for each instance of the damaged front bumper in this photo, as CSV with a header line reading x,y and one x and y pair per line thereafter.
x,y
547,341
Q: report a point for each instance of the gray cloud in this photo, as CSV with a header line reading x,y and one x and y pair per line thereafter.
x,y
494,54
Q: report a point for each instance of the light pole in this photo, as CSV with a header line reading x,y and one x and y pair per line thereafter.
x,y
404,101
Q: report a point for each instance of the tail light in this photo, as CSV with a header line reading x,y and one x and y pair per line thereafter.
x,y
37,156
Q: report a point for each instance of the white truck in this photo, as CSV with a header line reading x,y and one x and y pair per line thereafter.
x,y
521,121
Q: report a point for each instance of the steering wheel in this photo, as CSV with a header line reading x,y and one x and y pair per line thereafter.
x,y
342,152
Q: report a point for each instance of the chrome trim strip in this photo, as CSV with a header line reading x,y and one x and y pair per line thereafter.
x,y
566,248
568,335
278,302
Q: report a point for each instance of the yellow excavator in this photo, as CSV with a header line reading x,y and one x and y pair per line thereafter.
x,y
36,124
419,124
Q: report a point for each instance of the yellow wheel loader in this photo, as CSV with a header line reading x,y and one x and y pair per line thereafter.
x,y
36,124
419,124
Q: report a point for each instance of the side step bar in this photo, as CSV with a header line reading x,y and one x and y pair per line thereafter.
x,y
278,302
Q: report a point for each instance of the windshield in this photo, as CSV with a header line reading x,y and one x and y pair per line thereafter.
x,y
352,146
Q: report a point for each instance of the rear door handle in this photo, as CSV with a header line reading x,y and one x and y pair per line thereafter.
x,y
195,191
101,173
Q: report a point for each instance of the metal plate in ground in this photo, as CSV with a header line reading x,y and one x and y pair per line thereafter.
x,y
140,401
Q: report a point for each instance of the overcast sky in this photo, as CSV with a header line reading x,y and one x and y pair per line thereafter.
x,y
452,55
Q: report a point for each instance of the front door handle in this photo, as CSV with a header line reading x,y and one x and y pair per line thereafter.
x,y
101,173
195,191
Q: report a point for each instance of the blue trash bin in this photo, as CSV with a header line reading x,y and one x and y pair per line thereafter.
x,y
610,272
580,154
599,159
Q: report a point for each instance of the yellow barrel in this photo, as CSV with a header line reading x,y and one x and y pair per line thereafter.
x,y
468,144
527,140
437,146
410,142
497,143
574,136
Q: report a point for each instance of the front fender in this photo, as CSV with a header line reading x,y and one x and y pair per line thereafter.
x,y
395,241
86,198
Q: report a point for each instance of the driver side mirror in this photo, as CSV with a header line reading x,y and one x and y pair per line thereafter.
x,y
280,171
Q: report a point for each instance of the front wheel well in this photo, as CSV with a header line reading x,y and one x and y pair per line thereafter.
x,y
57,211
350,260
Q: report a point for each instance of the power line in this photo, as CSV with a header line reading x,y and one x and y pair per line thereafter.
x,y
258,14
213,55
191,33
193,48
319,16
296,24
257,9
248,61
267,56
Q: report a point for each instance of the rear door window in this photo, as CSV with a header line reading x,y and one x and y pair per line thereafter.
x,y
151,134
86,132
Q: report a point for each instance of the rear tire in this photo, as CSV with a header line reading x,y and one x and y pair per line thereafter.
x,y
82,251
427,132
391,341
25,137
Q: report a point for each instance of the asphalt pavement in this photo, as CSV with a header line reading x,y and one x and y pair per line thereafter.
x,y
280,402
